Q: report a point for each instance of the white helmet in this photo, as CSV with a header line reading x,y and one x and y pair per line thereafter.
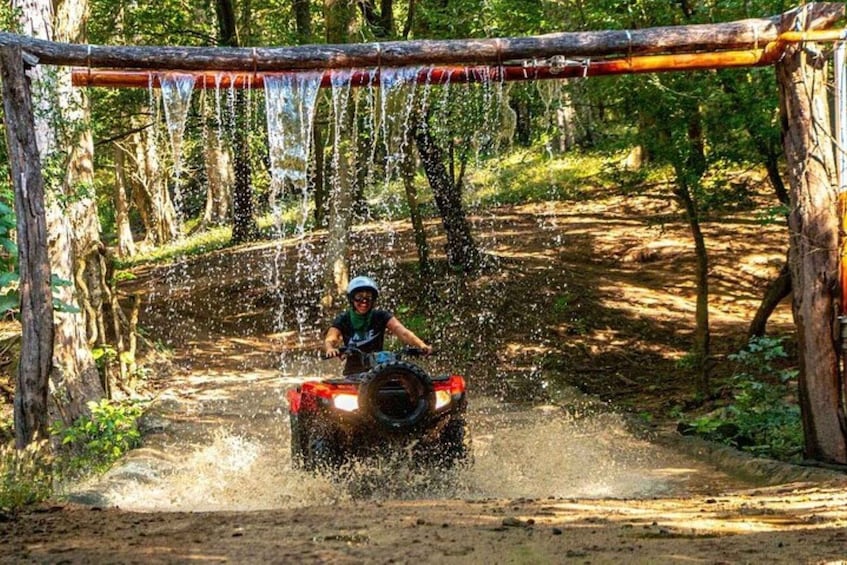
x,y
362,283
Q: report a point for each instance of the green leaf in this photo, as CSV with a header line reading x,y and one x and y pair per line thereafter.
x,y
8,278
9,245
57,281
61,306
10,301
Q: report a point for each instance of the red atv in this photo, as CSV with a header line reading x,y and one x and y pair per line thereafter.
x,y
393,407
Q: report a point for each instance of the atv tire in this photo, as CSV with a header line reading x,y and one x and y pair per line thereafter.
x,y
397,396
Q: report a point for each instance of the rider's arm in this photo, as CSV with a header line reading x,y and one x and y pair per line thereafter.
x,y
332,340
406,335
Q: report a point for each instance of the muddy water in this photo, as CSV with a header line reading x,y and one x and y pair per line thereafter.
x,y
219,441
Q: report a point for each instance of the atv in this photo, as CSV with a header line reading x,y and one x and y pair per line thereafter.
x,y
393,407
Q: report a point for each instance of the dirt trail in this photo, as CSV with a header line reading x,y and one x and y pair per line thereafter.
x,y
558,477
213,484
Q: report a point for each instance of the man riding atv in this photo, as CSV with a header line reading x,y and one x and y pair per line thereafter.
x,y
362,326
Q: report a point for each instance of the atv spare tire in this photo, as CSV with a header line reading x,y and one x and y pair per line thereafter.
x,y
397,396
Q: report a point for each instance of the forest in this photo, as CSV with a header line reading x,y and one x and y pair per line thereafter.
x,y
156,170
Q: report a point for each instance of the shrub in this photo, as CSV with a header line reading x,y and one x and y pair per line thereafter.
x,y
26,475
97,440
762,417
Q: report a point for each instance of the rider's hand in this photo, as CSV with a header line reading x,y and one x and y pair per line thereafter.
x,y
426,349
332,352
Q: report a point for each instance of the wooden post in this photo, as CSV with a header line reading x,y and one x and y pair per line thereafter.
x,y
36,294
813,248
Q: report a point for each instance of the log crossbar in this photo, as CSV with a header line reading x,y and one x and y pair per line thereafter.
x,y
751,34
559,69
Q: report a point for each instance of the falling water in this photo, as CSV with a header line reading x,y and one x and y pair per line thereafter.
x,y
397,89
176,97
290,102
290,105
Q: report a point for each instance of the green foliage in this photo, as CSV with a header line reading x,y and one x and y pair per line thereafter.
x,y
415,321
97,440
10,18
563,303
124,276
530,176
9,277
26,475
772,215
762,418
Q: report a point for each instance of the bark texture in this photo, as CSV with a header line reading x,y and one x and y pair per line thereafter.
x,y
65,147
813,250
126,243
669,39
30,403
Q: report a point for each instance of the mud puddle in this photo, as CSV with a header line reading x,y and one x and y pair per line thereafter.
x,y
219,441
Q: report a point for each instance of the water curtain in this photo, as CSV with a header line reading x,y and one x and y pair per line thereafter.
x,y
397,90
290,106
176,98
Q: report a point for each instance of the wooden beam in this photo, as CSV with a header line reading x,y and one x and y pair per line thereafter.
x,y
30,405
745,34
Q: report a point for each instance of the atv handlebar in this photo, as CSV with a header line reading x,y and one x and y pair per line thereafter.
x,y
346,350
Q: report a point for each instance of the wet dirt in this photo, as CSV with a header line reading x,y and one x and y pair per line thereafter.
x,y
565,467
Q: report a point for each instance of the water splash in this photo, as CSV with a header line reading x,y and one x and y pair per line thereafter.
x,y
517,451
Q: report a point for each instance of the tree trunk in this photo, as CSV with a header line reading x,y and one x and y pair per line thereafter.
x,y
30,403
318,176
462,252
776,291
337,16
746,34
340,200
382,23
218,166
702,337
244,227
302,20
421,244
126,243
71,213
523,122
813,250
150,191
337,271
695,168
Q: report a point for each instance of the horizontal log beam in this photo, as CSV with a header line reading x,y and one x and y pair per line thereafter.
x,y
745,34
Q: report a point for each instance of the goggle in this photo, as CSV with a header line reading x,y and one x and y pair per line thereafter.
x,y
363,300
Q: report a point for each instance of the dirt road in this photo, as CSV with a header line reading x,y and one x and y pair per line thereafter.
x,y
602,298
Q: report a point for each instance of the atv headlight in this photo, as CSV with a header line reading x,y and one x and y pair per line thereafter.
x,y
442,398
346,402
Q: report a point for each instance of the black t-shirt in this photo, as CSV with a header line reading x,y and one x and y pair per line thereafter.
x,y
369,339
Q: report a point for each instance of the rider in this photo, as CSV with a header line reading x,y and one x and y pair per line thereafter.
x,y
363,326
